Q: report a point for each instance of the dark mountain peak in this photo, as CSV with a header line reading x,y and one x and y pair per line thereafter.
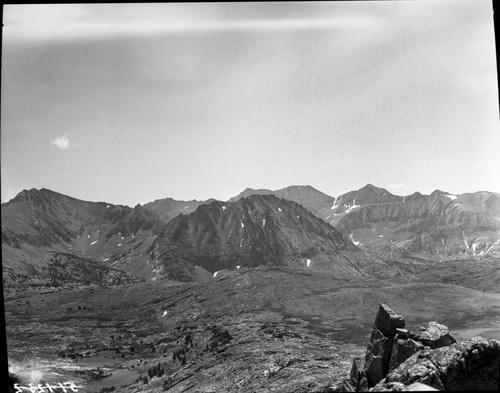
x,y
168,208
250,191
245,204
438,193
32,192
302,191
370,188
414,196
369,194
252,231
300,187
34,195
262,198
209,200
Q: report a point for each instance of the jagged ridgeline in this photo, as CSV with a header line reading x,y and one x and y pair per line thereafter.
x,y
41,227
254,231
368,232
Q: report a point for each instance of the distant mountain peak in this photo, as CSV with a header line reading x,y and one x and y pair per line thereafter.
x,y
251,231
438,192
377,190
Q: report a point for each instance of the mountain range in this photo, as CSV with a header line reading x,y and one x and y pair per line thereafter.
x,y
360,233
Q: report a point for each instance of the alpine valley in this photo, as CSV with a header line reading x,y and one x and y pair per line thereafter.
x,y
268,291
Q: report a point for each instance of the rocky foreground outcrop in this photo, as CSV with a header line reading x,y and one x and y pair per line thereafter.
x,y
426,357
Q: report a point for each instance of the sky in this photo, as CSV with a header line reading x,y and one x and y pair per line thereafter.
x,y
129,103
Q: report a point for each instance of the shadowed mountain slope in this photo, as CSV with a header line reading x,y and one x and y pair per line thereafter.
x,y
254,231
38,222
169,208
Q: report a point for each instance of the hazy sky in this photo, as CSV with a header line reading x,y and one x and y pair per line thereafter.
x,y
129,103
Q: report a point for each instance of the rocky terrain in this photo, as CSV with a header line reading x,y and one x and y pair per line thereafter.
x,y
259,293
426,357
253,329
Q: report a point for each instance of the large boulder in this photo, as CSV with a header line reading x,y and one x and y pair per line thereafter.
x,y
387,321
378,353
433,335
468,365
358,376
426,357
402,350
377,357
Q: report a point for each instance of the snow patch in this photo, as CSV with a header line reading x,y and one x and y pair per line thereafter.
x,y
354,241
164,313
223,207
489,249
335,204
451,196
264,221
104,260
242,225
94,242
107,207
279,209
353,206
308,262
474,245
381,235
466,244
238,267
186,207
215,274
88,236
118,245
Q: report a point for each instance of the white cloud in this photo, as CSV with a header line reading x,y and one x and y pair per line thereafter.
x,y
63,143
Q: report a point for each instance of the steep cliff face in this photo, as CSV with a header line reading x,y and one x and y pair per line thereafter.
x,y
439,225
254,231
